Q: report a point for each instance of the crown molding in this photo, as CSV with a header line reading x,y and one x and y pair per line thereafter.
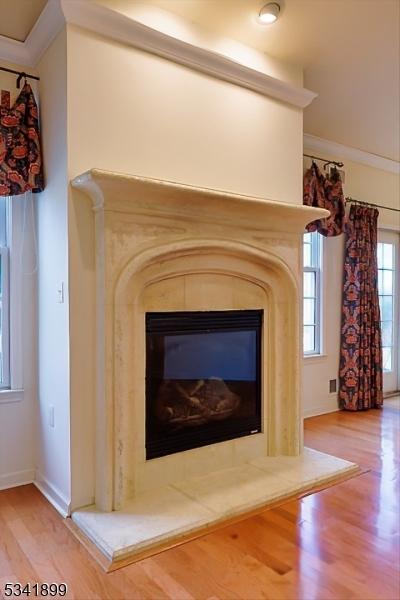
x,y
340,151
116,26
48,25
121,28
29,52
14,52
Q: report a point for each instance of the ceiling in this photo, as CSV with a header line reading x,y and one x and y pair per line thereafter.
x,y
17,17
349,50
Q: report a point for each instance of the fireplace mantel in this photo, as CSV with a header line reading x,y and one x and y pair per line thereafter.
x,y
163,246
141,195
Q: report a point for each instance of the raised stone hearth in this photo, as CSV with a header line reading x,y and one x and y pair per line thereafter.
x,y
176,512
166,247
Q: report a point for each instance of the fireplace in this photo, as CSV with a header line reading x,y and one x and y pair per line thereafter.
x,y
167,257
198,296
203,378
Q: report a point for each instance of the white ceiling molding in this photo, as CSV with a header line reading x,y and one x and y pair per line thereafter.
x,y
44,31
121,28
341,152
29,52
14,52
116,26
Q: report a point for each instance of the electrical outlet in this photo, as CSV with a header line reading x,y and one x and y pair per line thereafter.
x,y
51,415
332,386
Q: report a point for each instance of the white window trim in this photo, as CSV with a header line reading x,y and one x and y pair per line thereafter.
x,y
16,233
317,271
314,357
9,396
320,332
5,318
394,314
323,297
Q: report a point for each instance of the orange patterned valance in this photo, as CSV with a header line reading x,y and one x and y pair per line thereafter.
x,y
21,166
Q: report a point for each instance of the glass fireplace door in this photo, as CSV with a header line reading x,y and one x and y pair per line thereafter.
x,y
202,378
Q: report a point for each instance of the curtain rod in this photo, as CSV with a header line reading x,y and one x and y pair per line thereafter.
x,y
325,160
20,74
349,199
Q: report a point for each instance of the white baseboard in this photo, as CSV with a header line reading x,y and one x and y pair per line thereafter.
x,y
53,495
329,406
388,395
10,480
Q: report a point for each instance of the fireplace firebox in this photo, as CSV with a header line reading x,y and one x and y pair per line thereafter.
x,y
203,378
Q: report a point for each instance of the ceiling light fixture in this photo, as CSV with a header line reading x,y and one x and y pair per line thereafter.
x,y
269,13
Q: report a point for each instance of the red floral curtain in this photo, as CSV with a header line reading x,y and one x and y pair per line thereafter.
x,y
21,168
361,348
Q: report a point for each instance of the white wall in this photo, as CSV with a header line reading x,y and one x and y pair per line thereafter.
x,y
82,375
141,114
371,185
17,410
133,112
53,461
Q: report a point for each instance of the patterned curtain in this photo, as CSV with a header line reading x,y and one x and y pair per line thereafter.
x,y
21,168
325,192
361,347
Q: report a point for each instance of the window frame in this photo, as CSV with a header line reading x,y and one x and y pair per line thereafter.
x,y
15,232
316,268
5,383
381,295
5,316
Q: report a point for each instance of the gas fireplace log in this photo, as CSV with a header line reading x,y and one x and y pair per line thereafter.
x,y
181,403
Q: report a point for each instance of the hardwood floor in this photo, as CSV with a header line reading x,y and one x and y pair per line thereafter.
x,y
340,543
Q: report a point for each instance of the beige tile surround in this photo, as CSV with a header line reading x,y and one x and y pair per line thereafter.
x,y
162,246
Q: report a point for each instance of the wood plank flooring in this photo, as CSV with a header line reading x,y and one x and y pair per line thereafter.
x,y
341,543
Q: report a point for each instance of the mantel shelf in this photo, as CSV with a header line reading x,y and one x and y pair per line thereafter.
x,y
140,195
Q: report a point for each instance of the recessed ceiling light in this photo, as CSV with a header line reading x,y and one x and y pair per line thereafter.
x,y
269,13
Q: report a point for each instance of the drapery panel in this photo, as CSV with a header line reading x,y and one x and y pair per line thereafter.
x,y
21,165
361,347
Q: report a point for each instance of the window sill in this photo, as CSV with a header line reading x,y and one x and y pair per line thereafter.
x,y
7,396
314,357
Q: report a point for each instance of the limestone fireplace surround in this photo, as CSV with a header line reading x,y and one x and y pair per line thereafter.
x,y
163,246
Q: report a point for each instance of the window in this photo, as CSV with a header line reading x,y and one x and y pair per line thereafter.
x,y
386,268
312,244
4,296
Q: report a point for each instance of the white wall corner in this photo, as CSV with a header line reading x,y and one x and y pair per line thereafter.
x,y
53,495
317,144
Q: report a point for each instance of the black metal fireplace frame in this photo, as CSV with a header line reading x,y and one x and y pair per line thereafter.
x,y
175,323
